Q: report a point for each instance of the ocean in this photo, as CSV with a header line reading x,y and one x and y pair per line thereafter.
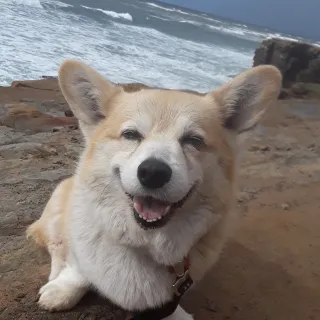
x,y
126,40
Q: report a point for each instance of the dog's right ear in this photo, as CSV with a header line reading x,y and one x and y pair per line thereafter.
x,y
87,93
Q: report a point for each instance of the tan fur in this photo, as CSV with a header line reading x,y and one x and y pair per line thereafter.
x,y
41,231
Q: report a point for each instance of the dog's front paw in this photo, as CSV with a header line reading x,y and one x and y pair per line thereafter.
x,y
57,297
180,314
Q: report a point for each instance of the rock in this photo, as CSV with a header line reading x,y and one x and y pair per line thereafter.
x,y
299,89
313,89
285,206
255,147
26,117
49,77
311,147
68,113
132,87
265,148
283,94
45,84
297,61
28,94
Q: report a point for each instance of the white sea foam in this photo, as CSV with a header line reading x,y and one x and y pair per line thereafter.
x,y
116,15
195,23
245,33
56,4
160,18
30,3
166,9
63,5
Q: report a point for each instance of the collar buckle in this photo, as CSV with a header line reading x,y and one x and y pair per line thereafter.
x,y
183,280
182,284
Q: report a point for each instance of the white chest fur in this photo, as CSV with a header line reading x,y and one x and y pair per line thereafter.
x,y
125,263
125,275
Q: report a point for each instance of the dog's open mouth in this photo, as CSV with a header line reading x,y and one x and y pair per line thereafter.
x,y
151,213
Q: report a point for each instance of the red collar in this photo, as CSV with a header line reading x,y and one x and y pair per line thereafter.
x,y
181,267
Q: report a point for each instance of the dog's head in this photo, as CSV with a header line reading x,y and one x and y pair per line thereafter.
x,y
155,150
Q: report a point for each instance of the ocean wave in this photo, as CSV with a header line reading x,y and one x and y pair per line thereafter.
x,y
113,14
223,29
30,3
160,18
56,3
211,19
279,36
62,5
243,32
166,9
195,23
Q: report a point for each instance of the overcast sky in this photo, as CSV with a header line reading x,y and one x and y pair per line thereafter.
x,y
300,18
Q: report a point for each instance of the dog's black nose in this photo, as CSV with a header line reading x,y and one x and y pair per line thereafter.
x,y
154,173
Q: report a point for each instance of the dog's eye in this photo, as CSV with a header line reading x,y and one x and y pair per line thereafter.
x,y
196,141
131,134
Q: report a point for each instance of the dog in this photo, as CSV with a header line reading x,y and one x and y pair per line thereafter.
x,y
154,190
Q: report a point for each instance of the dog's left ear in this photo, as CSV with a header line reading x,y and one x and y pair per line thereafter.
x,y
243,100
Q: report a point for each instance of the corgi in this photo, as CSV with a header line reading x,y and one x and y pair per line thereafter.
x,y
154,189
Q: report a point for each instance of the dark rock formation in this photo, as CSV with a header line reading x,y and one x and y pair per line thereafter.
x,y
298,62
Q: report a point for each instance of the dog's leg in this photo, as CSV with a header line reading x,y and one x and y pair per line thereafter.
x,y
64,292
56,246
180,314
58,262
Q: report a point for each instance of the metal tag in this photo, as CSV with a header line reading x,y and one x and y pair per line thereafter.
x,y
182,284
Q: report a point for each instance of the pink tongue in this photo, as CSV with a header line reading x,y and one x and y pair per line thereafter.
x,y
150,209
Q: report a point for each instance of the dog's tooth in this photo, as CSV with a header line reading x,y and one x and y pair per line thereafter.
x,y
159,218
140,216
168,209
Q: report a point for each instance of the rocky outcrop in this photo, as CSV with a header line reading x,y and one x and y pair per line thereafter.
x,y
298,62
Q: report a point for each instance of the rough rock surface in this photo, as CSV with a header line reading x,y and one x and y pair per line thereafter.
x,y
298,62
270,269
